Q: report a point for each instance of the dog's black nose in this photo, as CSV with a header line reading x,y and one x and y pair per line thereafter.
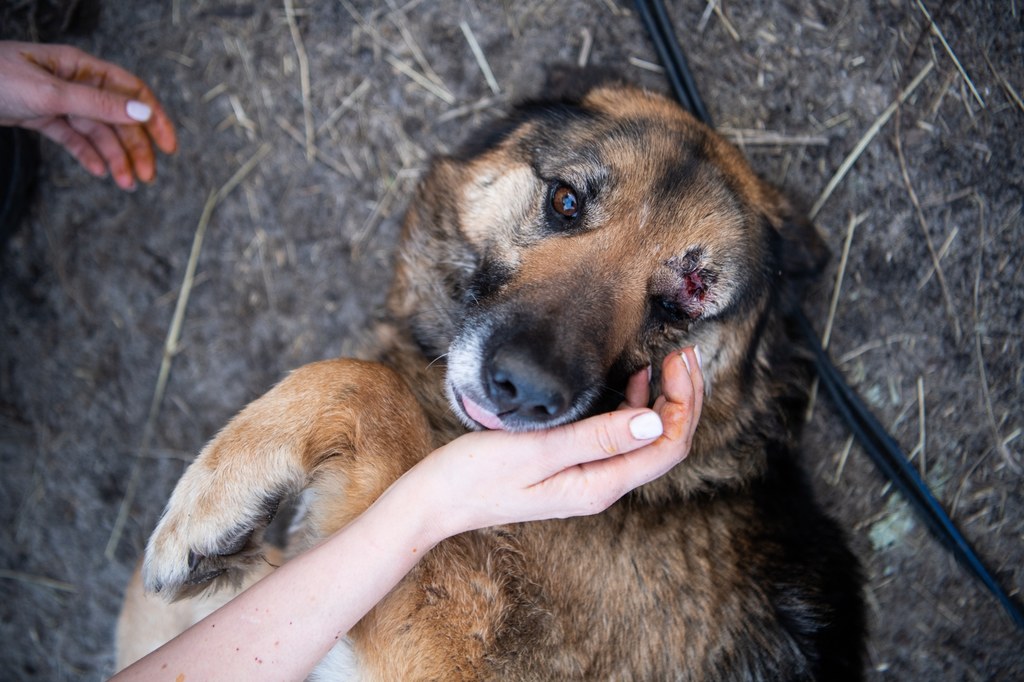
x,y
518,384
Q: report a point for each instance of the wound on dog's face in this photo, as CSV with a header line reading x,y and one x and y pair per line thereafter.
x,y
683,286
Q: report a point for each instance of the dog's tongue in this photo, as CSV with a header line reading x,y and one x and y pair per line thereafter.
x,y
478,414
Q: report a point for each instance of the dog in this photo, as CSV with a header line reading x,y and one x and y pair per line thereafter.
x,y
562,249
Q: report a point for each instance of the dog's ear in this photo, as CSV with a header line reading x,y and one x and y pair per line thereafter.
x,y
563,92
570,83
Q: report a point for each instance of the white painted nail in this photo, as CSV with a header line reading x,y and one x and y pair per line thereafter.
x,y
645,426
700,360
686,361
138,111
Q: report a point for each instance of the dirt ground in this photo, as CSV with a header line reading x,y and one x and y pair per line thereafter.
x,y
296,257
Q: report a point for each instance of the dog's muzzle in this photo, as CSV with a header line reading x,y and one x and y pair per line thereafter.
x,y
514,381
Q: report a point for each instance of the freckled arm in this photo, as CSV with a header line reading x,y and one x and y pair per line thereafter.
x,y
282,626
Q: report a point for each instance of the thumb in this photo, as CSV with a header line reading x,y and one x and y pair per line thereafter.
x,y
103,105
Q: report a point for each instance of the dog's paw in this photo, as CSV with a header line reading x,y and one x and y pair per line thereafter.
x,y
206,540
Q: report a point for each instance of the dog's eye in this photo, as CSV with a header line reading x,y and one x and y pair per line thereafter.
x,y
667,310
564,201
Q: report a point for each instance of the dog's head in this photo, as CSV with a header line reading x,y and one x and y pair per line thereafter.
x,y
572,244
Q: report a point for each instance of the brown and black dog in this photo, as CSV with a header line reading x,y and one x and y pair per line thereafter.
x,y
567,247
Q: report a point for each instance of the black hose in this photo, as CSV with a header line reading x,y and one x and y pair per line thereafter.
x,y
894,464
677,70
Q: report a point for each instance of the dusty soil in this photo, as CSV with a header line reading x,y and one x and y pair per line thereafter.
x,y
296,257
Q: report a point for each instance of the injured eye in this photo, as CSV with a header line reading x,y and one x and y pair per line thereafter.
x,y
564,201
683,289
695,286
666,309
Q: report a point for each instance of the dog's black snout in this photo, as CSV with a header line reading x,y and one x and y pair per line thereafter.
x,y
516,383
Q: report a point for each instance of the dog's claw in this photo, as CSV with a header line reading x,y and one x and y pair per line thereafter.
x,y
206,577
189,553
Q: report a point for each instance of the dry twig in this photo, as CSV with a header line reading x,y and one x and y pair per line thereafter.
x,y
481,59
998,442
959,67
770,138
943,250
40,580
585,48
842,460
1010,91
946,297
430,82
851,227
332,163
345,105
826,337
413,46
866,139
421,80
307,107
921,432
646,65
467,109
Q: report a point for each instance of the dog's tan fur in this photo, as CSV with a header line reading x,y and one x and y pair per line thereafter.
x,y
722,569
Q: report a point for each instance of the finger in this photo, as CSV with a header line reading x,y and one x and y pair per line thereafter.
x,y
79,147
597,484
595,438
696,371
618,475
681,374
638,389
113,78
118,96
159,126
108,144
679,407
140,151
87,101
677,404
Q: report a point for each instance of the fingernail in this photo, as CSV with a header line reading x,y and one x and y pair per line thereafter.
x,y
138,111
700,360
686,361
645,426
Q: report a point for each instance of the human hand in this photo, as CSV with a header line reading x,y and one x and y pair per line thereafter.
x,y
107,118
494,477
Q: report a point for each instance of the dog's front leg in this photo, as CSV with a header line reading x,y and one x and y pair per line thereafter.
x,y
343,426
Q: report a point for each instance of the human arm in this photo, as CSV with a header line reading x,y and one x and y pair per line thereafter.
x,y
107,118
282,626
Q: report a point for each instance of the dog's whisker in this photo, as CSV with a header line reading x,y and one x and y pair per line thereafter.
x,y
440,357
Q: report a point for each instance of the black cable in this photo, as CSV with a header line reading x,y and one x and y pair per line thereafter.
x,y
890,459
655,18
882,448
